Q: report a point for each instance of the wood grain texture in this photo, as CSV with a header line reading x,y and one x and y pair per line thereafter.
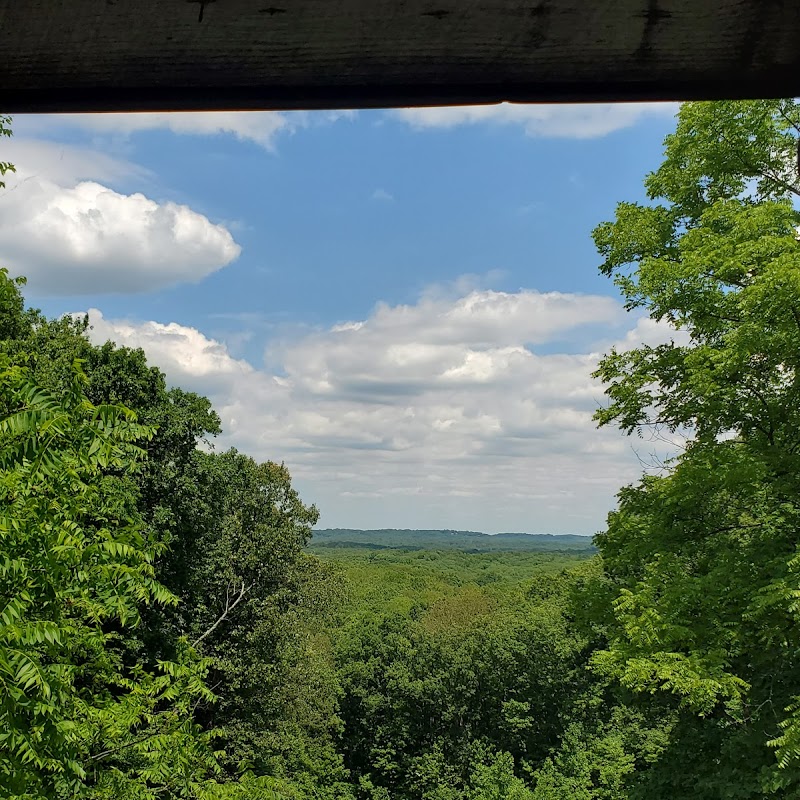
x,y
187,54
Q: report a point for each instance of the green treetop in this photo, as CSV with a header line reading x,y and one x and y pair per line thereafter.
x,y
705,557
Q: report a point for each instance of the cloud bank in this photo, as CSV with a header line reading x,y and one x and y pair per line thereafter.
x,y
442,413
263,128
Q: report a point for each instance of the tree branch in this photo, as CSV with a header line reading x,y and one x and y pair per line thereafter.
x,y
229,606
788,119
748,167
149,735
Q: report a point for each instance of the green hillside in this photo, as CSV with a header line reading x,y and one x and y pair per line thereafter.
x,y
468,541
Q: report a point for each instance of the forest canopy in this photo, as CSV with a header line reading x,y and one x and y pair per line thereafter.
x,y
170,629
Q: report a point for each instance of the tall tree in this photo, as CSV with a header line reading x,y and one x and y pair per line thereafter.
x,y
221,543
230,536
705,557
77,718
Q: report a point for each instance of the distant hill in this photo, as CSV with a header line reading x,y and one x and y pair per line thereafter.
x,y
467,541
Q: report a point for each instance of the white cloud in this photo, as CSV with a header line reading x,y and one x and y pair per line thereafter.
x,y
575,121
578,121
382,195
70,235
447,402
478,338
62,163
651,332
176,349
260,127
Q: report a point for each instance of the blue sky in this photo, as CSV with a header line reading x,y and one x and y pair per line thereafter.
x,y
404,306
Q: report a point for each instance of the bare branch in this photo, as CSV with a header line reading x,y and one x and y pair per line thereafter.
x,y
229,606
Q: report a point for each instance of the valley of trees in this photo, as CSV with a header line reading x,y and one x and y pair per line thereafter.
x,y
170,629
450,540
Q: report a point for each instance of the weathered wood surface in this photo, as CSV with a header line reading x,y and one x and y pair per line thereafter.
x,y
189,54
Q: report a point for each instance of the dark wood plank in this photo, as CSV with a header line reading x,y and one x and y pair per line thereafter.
x,y
71,55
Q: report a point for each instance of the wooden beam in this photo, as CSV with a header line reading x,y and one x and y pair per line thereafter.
x,y
114,55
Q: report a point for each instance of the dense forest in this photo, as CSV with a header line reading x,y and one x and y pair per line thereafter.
x,y
169,629
450,540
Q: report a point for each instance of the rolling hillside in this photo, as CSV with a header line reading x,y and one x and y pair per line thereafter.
x,y
469,541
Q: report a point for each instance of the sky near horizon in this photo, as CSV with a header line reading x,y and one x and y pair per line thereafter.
x,y
404,306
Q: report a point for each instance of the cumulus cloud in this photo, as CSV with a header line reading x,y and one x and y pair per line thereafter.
x,y
573,121
69,235
259,127
652,333
176,349
479,338
454,403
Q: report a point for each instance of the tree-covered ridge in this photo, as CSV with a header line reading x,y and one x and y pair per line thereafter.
x,y
170,629
450,540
